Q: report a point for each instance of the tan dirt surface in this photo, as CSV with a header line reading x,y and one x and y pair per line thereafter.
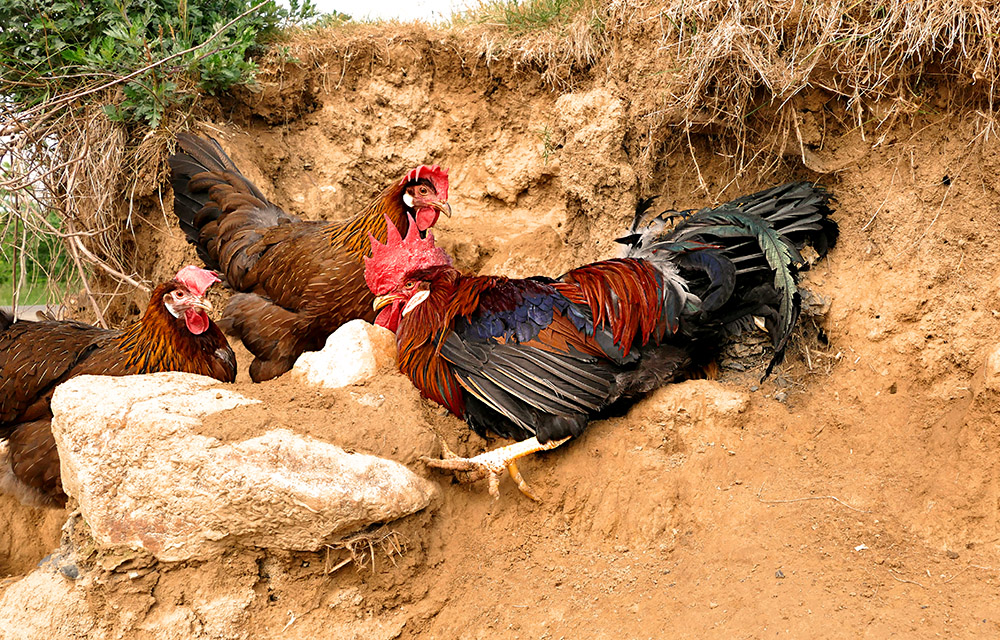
x,y
856,495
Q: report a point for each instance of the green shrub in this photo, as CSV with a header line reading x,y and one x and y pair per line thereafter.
x,y
524,16
49,47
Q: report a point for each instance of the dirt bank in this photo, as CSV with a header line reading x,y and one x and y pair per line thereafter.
x,y
856,493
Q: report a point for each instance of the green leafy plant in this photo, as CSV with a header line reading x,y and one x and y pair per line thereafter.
x,y
135,60
51,47
547,145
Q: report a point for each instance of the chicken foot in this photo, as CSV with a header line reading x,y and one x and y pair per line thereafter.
x,y
492,464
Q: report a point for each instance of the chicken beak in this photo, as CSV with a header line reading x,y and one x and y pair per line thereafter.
x,y
202,304
443,207
383,301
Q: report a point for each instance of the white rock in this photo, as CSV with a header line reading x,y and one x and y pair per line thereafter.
x,y
44,605
353,354
144,480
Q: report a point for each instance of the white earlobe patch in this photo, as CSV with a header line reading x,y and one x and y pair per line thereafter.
x,y
408,200
415,301
173,311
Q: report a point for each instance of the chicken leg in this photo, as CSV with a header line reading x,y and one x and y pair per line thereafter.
x,y
492,464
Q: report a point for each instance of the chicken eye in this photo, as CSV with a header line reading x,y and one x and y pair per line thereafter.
x,y
409,285
424,191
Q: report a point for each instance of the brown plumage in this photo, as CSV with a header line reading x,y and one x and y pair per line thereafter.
x,y
299,280
174,334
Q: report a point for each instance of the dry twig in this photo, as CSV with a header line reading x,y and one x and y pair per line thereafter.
x,y
905,580
362,548
834,498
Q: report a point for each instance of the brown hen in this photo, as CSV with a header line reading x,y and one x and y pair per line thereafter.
x,y
174,334
299,280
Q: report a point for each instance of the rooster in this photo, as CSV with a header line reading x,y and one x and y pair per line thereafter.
x,y
535,359
299,280
174,334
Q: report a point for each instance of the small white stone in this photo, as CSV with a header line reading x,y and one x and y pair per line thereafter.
x,y
353,354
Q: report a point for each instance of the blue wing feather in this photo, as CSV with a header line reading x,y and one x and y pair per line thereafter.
x,y
517,310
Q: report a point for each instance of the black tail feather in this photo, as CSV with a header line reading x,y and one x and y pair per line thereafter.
x,y
761,235
193,203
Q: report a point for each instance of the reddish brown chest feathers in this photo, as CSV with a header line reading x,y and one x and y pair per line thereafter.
x,y
160,342
624,294
419,337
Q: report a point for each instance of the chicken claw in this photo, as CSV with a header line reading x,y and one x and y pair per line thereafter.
x,y
492,464
515,475
465,474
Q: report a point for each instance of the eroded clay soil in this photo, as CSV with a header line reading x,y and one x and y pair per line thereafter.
x,y
856,494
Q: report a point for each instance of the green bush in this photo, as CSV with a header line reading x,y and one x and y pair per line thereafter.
x,y
524,16
49,47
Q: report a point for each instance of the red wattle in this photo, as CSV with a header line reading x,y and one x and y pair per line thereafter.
x,y
426,218
389,317
196,321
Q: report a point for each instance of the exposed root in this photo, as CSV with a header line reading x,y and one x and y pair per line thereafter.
x,y
362,547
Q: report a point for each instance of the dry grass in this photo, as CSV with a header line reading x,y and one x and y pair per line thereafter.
x,y
740,67
735,69
362,546
91,172
560,50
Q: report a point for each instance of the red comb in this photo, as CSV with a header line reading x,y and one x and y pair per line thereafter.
x,y
434,173
196,280
390,262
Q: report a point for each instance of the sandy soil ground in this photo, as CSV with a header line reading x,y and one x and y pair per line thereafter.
x,y
855,495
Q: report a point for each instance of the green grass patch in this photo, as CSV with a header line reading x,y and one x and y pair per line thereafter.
x,y
528,15
32,293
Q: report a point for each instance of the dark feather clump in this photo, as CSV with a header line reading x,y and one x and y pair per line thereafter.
x,y
761,236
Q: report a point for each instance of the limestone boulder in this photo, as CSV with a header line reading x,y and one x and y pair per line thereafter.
x,y
145,479
353,354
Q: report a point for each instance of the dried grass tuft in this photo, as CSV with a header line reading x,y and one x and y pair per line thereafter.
x,y
362,546
738,67
90,172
